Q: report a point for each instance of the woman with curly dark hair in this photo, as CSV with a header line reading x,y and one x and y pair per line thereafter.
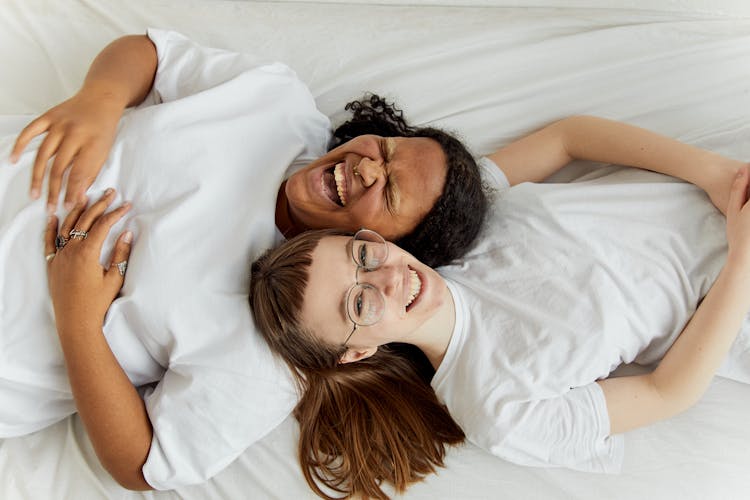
x,y
414,183
220,159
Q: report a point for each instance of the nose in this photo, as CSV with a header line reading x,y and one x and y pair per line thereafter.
x,y
389,279
369,171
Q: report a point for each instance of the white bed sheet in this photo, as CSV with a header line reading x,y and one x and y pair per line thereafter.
x,y
490,73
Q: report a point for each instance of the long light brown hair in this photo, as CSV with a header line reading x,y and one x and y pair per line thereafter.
x,y
361,423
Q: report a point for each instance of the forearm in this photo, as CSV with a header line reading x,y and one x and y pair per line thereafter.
x,y
688,367
111,409
607,141
124,71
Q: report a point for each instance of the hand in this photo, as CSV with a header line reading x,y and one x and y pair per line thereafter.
x,y
80,133
738,219
721,181
81,289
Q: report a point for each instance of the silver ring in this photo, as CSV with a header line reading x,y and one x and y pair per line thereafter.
x,y
122,267
75,234
50,256
60,242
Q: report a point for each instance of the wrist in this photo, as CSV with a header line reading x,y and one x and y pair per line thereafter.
x,y
72,322
737,269
105,92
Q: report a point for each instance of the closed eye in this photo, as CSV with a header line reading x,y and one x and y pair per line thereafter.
x,y
383,150
388,190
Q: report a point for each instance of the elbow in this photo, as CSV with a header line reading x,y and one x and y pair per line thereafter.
x,y
130,478
675,398
132,483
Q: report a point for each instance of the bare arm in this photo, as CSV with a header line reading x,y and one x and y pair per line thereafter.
x,y
538,155
80,131
111,409
124,70
688,367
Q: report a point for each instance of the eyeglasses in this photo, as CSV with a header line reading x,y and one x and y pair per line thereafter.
x,y
365,304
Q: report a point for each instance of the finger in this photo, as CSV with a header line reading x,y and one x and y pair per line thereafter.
x,y
79,180
116,272
71,219
95,211
46,150
31,130
49,235
104,224
63,158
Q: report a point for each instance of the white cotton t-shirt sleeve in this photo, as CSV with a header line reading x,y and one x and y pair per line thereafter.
x,y
570,430
185,68
492,174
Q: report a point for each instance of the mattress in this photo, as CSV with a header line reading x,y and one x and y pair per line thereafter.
x,y
490,71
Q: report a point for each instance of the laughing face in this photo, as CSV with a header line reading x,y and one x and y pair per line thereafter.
x,y
387,184
412,293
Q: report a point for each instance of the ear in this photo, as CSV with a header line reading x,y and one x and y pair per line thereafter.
x,y
352,355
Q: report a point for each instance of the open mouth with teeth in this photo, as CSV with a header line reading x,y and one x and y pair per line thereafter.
x,y
334,184
415,287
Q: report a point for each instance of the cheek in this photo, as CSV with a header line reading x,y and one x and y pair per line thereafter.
x,y
368,213
295,191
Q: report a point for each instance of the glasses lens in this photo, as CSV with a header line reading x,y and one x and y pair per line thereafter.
x,y
365,304
369,249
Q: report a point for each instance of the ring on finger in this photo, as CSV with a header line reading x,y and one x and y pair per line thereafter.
x,y
122,267
50,256
75,234
60,242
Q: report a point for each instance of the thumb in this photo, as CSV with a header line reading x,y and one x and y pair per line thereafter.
x,y
115,275
738,194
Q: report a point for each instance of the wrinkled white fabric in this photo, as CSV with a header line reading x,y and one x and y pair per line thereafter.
x,y
568,282
492,75
201,161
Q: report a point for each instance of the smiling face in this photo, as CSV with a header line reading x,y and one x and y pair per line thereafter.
x,y
387,184
413,293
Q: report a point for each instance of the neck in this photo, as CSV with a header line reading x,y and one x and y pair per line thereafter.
x,y
284,221
435,334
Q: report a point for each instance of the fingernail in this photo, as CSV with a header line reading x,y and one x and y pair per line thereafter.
x,y
127,237
69,205
108,191
34,193
126,205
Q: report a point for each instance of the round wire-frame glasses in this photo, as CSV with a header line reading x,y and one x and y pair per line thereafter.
x,y
365,303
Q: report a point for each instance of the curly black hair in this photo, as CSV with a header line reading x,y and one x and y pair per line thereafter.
x,y
453,223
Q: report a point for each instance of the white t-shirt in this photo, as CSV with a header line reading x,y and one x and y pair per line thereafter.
x,y
201,161
567,282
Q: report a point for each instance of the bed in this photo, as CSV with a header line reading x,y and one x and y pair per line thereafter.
x,y
490,70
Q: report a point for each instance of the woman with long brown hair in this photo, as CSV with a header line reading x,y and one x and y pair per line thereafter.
x,y
523,332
